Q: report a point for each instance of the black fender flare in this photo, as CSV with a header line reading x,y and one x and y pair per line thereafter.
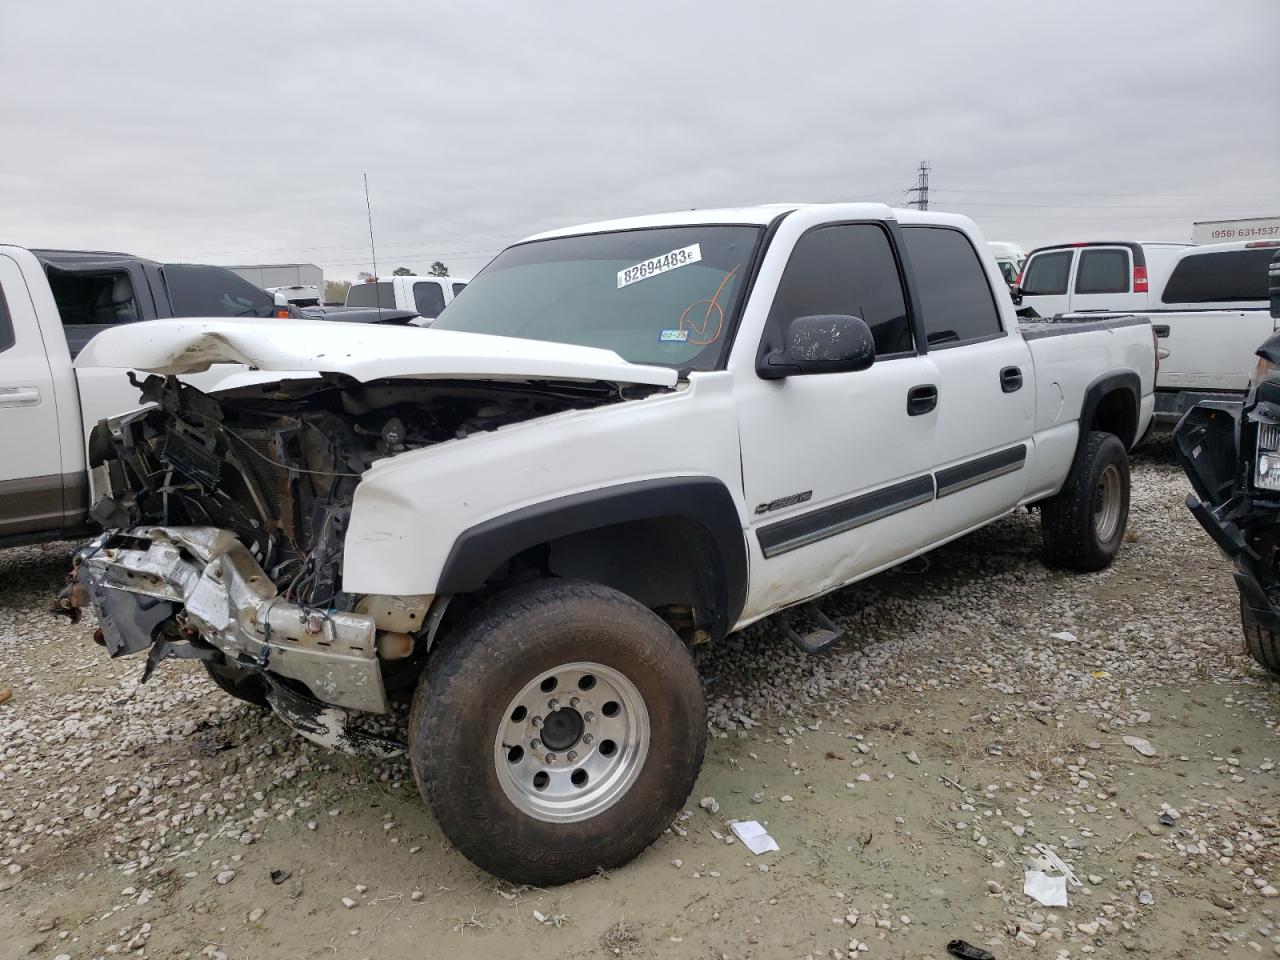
x,y
1125,380
483,548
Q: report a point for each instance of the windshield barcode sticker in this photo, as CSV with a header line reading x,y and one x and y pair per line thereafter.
x,y
661,264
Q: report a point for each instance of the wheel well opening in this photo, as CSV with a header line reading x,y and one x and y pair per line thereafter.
x,y
1117,412
669,564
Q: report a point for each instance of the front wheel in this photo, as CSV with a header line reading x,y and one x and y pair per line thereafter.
x,y
1084,523
1262,642
559,732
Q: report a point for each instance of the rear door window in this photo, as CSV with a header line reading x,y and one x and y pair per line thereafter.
x,y
846,269
379,294
1046,274
89,303
954,292
200,290
1103,271
458,288
1232,276
428,299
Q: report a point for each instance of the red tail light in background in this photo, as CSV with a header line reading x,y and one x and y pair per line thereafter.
x,y
1139,279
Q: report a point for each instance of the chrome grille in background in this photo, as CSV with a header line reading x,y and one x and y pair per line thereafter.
x,y
1268,436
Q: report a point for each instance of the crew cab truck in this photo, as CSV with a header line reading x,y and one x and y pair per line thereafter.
x,y
626,438
1213,313
425,296
52,303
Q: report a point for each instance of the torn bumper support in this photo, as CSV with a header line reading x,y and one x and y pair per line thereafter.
x,y
138,579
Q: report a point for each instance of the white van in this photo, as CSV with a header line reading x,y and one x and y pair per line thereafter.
x,y
1096,275
426,296
1009,258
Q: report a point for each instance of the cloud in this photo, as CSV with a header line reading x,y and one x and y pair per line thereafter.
x,y
238,132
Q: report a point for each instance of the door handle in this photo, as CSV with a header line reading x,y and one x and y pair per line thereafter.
x,y
1161,331
19,396
921,399
1010,379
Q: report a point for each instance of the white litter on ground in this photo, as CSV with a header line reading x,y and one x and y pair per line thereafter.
x,y
754,837
1049,891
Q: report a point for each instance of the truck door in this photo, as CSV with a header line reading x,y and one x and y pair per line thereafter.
x,y
1105,279
31,470
836,466
986,389
1045,281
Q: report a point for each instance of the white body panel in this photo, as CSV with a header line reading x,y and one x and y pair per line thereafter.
x,y
1211,349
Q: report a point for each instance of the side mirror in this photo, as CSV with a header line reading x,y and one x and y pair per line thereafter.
x,y
827,343
1015,292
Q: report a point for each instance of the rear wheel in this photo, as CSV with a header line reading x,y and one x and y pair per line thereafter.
x,y
1083,525
240,683
559,732
1261,641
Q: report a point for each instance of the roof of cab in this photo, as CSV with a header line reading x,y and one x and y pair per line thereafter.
x,y
1229,247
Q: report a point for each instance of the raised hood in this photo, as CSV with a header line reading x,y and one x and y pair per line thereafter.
x,y
361,351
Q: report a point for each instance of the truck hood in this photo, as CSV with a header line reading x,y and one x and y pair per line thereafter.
x,y
361,351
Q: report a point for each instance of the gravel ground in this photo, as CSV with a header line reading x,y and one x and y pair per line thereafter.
x,y
977,707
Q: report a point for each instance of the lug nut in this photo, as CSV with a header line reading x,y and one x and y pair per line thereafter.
x,y
588,738
571,756
536,745
537,721
551,758
589,716
553,705
573,702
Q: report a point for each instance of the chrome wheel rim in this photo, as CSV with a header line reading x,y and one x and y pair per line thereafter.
x,y
571,742
1106,504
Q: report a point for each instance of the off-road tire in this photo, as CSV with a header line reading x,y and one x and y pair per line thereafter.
x,y
240,683
1262,642
480,667
1067,520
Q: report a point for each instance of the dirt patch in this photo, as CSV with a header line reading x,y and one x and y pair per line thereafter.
x,y
976,708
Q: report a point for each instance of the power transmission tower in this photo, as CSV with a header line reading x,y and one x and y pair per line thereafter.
x,y
921,189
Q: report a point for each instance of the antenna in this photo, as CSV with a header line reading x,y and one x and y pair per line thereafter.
x,y
373,250
921,189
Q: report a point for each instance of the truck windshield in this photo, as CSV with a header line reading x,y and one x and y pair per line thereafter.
x,y
663,296
197,290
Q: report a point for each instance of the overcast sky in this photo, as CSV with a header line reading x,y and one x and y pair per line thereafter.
x,y
236,132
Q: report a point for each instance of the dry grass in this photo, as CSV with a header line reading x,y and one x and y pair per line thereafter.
x,y
620,938
1045,750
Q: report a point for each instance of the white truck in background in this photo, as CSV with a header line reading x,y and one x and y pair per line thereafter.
x,y
1009,258
626,438
425,296
1212,314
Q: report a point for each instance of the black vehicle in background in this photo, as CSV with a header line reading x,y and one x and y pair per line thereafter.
x,y
96,290
1231,454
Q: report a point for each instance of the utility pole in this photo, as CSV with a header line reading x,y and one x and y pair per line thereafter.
x,y
921,189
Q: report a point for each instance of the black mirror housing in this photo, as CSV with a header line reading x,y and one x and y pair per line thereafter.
x,y
826,343
1015,292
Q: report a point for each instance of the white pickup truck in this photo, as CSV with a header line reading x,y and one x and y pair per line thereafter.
x,y
626,438
425,296
52,303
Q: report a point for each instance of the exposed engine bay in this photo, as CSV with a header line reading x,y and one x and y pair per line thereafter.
x,y
225,519
278,464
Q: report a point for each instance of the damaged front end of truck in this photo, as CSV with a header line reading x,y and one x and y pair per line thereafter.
x,y
225,517
1231,454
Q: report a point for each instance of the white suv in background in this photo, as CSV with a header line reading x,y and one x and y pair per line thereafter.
x,y
1112,276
